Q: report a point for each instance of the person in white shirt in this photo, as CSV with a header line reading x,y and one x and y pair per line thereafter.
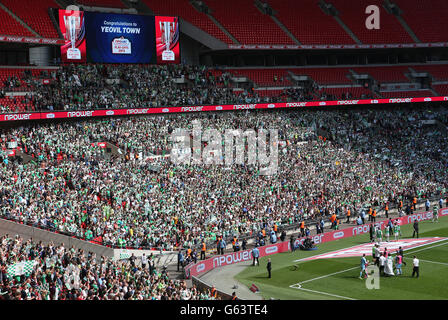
x,y
144,261
416,264
382,263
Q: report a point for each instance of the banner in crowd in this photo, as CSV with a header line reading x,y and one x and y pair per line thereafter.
x,y
21,268
73,29
246,255
167,39
118,38
142,111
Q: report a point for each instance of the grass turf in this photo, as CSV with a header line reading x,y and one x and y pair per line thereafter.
x,y
432,283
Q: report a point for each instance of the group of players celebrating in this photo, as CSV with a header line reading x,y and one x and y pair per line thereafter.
x,y
383,260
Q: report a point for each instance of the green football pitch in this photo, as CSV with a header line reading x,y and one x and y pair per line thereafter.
x,y
338,278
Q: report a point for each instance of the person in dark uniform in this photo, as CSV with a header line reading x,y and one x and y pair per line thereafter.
x,y
292,241
415,229
269,267
283,236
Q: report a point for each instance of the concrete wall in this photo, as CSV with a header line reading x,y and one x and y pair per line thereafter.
x,y
202,286
27,232
201,36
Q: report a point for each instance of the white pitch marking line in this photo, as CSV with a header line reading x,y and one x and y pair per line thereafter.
x,y
298,286
442,244
329,275
443,263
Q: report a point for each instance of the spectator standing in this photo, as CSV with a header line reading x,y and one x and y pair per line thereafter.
x,y
269,267
255,256
180,260
416,267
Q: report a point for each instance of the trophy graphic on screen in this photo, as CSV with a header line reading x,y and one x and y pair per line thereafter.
x,y
72,27
167,30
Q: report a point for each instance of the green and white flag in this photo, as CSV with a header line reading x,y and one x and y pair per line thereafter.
x,y
125,254
21,268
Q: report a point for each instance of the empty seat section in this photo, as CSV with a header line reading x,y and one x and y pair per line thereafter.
x,y
9,26
441,89
186,11
325,75
35,14
264,77
439,72
308,23
385,74
341,93
246,23
353,15
407,94
428,19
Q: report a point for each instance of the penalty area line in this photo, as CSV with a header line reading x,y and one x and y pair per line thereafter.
x,y
436,262
411,250
328,275
299,287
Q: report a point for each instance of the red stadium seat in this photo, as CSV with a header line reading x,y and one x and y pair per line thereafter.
x,y
35,14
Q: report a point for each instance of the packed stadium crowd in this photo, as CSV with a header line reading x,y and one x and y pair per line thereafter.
x,y
132,199
104,86
32,270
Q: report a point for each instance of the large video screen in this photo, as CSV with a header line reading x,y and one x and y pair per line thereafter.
x,y
119,38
